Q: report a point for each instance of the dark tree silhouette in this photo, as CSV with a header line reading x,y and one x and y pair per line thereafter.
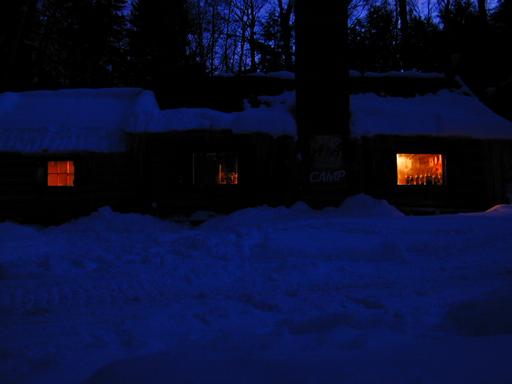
x,y
286,32
19,22
80,42
158,42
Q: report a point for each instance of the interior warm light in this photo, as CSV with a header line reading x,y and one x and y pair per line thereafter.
x,y
61,173
215,168
227,176
419,169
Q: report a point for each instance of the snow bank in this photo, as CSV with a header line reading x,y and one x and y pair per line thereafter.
x,y
366,206
447,360
8,101
262,295
79,246
490,315
73,120
500,210
358,206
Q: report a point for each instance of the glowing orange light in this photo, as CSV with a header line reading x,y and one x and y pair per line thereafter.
x,y
61,173
224,177
419,169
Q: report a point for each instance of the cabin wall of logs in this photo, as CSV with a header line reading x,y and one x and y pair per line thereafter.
x,y
475,174
29,192
161,173
182,172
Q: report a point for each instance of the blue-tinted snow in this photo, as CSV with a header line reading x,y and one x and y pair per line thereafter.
x,y
287,75
356,294
73,120
272,121
446,113
97,120
401,74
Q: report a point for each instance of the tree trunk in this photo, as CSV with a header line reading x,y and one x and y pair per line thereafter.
x,y
404,32
285,32
201,52
241,57
213,38
482,11
18,39
225,57
252,34
322,99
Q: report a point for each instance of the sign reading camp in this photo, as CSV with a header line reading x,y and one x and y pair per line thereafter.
x,y
326,159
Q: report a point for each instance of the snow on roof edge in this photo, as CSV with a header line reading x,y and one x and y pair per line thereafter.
x,y
274,122
443,114
446,113
73,120
288,75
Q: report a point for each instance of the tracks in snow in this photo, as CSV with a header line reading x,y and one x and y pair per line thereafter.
x,y
48,296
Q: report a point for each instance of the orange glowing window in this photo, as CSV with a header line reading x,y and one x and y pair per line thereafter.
x,y
215,168
419,169
61,173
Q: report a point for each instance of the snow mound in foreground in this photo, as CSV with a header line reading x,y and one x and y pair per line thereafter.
x,y
107,221
489,315
135,299
105,238
501,210
358,206
255,217
365,206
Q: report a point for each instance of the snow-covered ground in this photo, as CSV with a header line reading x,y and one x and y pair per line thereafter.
x,y
358,294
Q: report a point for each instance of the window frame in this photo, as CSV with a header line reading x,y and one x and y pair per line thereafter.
x,y
431,153
69,171
218,154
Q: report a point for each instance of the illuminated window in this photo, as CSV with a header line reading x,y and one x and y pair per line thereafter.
x,y
419,169
215,168
61,173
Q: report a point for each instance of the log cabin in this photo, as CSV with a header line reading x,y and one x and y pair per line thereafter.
x,y
421,141
64,153
428,145
191,159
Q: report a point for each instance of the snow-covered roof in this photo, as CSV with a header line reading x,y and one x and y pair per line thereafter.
x,y
283,75
273,121
96,120
411,74
73,120
287,75
446,113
